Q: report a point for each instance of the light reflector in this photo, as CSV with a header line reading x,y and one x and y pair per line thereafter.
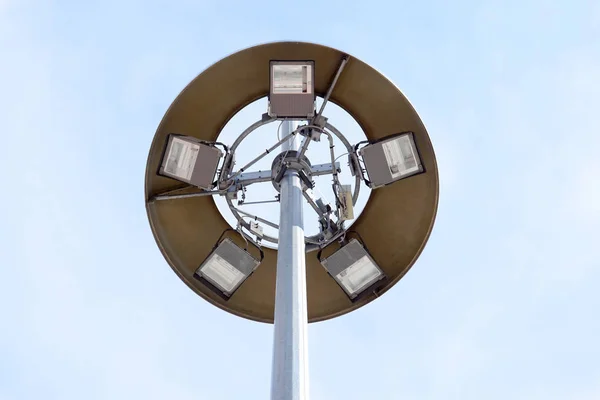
x,y
292,91
390,159
227,267
189,160
353,268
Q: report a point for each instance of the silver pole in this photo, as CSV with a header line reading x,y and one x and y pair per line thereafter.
x,y
289,377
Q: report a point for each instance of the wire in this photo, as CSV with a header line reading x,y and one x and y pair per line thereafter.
x,y
251,241
239,229
279,128
221,237
359,143
340,156
359,237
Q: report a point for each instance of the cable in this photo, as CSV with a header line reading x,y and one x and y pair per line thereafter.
x,y
239,229
338,157
245,237
221,237
278,129
360,239
359,143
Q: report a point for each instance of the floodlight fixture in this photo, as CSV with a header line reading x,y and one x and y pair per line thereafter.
x,y
292,89
190,160
226,268
353,269
391,158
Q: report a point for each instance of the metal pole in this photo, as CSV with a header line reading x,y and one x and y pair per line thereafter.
x,y
289,377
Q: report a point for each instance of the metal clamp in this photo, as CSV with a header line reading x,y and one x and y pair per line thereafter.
x,y
289,160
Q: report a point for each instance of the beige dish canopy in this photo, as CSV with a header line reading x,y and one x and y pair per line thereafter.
x,y
346,268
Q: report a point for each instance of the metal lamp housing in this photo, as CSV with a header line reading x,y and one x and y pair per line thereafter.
x,y
190,160
353,269
391,158
292,89
226,268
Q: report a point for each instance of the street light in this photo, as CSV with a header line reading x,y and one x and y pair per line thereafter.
x,y
353,268
391,158
290,287
292,90
190,160
227,267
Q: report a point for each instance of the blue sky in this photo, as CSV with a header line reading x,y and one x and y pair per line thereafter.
x,y
503,302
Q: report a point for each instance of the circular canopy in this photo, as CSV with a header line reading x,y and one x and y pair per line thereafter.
x,y
395,224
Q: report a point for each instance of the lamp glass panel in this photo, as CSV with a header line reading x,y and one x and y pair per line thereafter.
x,y
181,158
292,79
401,157
222,273
359,275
